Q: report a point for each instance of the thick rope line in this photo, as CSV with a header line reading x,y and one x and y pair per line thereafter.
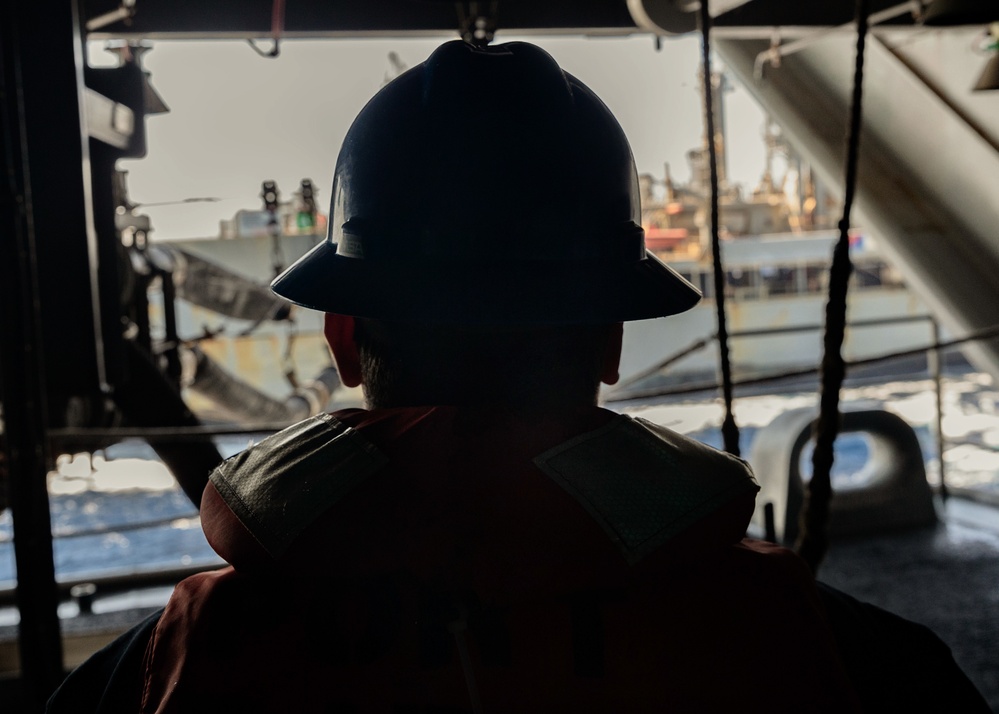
x,y
729,429
814,539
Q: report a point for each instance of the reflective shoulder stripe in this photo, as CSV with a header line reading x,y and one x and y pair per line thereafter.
x,y
281,485
643,483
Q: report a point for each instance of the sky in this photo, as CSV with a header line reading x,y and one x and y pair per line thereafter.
x,y
238,119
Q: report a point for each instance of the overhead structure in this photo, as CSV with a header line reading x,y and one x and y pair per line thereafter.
x,y
220,19
935,211
960,12
932,210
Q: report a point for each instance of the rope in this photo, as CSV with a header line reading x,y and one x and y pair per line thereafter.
x,y
277,29
814,539
729,429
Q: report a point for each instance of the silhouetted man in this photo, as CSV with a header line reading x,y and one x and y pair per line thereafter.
x,y
484,538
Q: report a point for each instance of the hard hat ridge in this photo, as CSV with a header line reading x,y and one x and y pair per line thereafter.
x,y
486,186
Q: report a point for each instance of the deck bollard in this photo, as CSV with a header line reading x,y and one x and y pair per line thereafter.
x,y
892,492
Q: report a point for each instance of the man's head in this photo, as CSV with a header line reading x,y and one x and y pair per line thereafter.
x,y
547,368
485,197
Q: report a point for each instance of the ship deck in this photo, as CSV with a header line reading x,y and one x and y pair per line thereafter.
x,y
945,577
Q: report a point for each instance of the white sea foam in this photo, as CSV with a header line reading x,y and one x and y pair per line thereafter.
x,y
970,419
82,472
970,427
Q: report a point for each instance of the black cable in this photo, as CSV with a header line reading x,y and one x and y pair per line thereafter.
x,y
729,429
814,539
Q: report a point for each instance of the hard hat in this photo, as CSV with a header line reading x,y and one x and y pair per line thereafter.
x,y
486,186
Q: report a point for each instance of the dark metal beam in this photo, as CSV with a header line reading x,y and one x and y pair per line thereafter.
x,y
218,18
27,68
757,18
927,178
828,13
322,18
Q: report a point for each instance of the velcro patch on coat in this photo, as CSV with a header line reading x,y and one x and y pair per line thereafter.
x,y
643,483
278,487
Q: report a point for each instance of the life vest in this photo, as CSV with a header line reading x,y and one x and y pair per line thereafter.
x,y
450,560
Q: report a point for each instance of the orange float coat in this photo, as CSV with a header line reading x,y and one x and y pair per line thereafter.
x,y
455,560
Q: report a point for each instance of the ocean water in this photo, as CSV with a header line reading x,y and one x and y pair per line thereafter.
x,y
970,424
121,511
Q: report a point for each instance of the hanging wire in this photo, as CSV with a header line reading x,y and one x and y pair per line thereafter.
x,y
814,539
729,429
277,29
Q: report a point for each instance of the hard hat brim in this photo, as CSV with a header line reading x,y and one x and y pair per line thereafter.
x,y
496,292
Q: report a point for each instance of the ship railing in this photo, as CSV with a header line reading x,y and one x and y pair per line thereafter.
x,y
933,351
84,588
83,435
626,391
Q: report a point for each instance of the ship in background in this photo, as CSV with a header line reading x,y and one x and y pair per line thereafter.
x,y
244,355
776,244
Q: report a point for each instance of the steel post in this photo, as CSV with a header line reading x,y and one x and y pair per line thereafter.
x,y
22,364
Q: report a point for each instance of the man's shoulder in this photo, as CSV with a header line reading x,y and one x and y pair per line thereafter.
x,y
643,483
629,449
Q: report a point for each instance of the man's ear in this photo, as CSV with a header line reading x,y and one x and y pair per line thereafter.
x,y
339,331
612,354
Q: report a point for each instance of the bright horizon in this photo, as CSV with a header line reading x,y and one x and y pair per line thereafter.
x,y
237,119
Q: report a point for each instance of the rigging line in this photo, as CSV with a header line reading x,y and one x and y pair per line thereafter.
x,y
277,29
814,539
729,429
